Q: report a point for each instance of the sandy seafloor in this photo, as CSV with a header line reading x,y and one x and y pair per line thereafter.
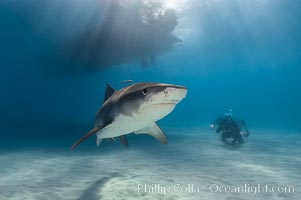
x,y
193,156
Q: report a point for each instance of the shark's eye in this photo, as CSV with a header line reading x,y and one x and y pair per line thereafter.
x,y
144,91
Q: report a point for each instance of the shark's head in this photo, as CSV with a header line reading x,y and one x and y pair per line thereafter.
x,y
150,101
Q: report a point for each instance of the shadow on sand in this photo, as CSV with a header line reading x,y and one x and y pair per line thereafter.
x,y
92,192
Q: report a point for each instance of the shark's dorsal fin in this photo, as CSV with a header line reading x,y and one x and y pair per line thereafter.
x,y
109,91
155,131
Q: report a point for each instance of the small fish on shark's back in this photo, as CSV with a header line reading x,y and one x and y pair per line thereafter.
x,y
135,109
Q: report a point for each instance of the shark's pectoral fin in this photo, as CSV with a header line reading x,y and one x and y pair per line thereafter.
x,y
155,131
98,141
123,140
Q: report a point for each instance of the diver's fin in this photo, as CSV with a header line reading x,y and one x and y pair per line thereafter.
x,y
155,131
123,140
90,133
109,91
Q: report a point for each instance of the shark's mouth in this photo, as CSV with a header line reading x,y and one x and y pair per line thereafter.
x,y
169,103
175,100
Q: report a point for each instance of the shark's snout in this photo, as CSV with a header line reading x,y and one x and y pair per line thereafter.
x,y
174,94
161,101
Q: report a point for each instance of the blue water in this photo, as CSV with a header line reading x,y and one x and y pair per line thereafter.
x,y
240,55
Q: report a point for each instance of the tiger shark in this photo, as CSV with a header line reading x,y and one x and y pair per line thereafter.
x,y
134,109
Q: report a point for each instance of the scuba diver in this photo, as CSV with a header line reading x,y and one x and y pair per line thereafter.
x,y
230,129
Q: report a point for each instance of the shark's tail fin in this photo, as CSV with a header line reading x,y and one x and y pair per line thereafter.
x,y
90,133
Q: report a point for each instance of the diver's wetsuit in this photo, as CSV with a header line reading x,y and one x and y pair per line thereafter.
x,y
230,130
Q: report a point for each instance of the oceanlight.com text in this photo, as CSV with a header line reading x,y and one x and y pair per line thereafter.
x,y
214,188
250,189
